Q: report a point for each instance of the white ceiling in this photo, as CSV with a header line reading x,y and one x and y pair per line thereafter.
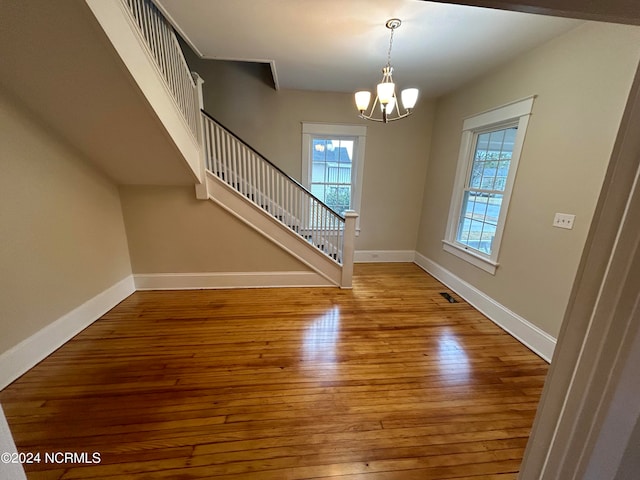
x,y
341,45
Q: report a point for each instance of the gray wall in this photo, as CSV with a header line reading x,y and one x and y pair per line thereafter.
x,y
582,87
63,237
170,231
240,97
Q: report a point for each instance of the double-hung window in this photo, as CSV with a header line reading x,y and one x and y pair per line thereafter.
x,y
487,164
332,164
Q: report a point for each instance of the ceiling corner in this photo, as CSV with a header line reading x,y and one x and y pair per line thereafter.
x,y
176,27
274,74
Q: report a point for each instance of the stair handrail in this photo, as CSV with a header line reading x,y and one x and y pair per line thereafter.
x,y
266,159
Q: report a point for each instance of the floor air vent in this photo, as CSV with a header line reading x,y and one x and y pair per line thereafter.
x,y
448,297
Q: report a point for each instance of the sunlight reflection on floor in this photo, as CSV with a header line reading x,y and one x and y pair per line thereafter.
x,y
454,362
321,337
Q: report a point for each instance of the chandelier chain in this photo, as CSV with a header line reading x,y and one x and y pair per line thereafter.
x,y
390,45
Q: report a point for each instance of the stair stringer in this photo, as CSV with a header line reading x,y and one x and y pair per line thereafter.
x,y
261,221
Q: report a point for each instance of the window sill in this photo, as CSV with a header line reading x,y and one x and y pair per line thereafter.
x,y
483,263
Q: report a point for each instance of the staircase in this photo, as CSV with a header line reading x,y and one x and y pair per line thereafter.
x,y
229,172
234,166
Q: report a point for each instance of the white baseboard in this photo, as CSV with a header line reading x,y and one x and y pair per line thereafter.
x,y
383,256
196,281
524,331
28,353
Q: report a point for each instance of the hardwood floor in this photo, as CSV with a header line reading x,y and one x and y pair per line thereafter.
x,y
385,381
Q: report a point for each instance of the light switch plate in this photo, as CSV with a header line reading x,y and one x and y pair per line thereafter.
x,y
564,220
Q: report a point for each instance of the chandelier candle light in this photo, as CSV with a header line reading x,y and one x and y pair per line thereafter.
x,y
386,92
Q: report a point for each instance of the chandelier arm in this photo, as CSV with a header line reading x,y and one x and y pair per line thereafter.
x,y
365,117
389,119
373,107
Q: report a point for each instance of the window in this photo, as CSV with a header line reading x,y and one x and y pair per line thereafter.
x,y
487,164
332,164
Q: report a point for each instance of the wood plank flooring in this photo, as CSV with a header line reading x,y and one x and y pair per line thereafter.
x,y
386,381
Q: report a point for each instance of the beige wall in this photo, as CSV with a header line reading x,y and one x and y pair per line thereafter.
x,y
582,80
62,238
240,97
170,231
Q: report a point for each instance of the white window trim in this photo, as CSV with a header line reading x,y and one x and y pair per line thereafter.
x,y
309,130
515,113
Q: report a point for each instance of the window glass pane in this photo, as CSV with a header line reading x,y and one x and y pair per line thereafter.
x,y
479,220
486,238
510,140
469,205
338,198
482,145
495,146
480,207
318,172
345,151
465,220
476,174
491,159
318,162
331,171
345,175
501,175
318,190
494,204
463,232
488,179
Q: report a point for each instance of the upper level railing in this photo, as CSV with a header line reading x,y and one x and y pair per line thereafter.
x,y
163,45
255,177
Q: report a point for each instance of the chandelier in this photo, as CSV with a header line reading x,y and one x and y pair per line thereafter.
x,y
386,102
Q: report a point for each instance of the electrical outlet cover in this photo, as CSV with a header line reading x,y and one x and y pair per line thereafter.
x,y
564,220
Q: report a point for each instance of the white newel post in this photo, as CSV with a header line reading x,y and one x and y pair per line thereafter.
x,y
350,218
202,190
